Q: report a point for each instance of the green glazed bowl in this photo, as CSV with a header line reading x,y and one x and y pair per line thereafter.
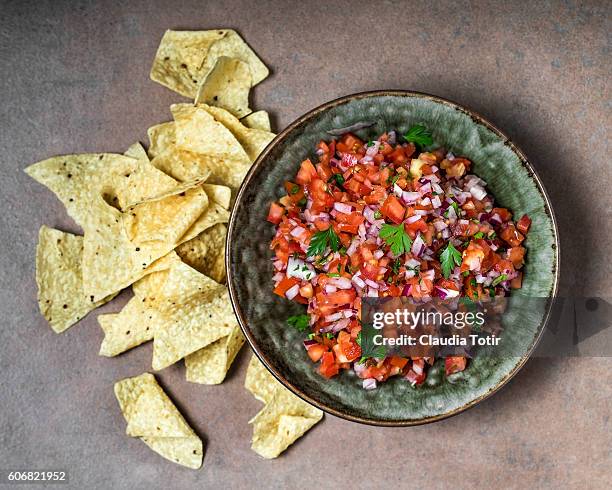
x,y
262,315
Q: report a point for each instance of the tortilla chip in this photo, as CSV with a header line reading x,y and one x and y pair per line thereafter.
x,y
197,130
179,61
233,46
252,140
165,220
221,194
137,151
210,365
257,120
111,261
61,298
77,180
197,312
144,183
152,417
260,382
137,321
213,215
227,85
206,252
184,165
283,420
161,137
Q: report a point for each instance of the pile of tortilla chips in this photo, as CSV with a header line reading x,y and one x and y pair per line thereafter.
x,y
155,220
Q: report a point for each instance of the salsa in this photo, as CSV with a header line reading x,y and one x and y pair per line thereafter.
x,y
380,218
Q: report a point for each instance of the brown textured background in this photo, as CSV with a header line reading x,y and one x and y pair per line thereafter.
x,y
74,78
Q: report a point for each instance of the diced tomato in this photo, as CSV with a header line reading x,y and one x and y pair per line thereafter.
x,y
524,224
276,213
328,367
324,172
393,209
285,284
503,213
511,235
400,362
351,350
357,188
339,298
517,282
306,173
315,352
516,255
454,364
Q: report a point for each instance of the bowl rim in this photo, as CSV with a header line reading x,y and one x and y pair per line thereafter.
x,y
242,321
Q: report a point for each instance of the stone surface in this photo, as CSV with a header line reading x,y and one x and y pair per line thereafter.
x,y
74,78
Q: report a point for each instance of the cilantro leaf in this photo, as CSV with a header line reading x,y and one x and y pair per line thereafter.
x,y
396,237
449,258
337,179
480,234
301,322
499,279
365,339
419,134
321,240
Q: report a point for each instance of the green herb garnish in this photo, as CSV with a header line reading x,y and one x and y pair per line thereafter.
x,y
393,179
480,234
337,179
499,279
365,339
449,258
301,322
419,134
321,240
377,214
295,189
397,263
302,202
396,237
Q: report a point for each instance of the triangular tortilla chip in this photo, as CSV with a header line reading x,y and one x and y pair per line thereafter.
x,y
281,422
227,86
197,130
78,180
137,321
210,365
61,298
260,382
144,183
111,261
179,60
165,220
206,252
252,140
233,46
221,194
257,120
151,416
197,312
161,137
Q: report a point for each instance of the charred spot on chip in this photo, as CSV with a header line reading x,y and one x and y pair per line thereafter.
x,y
65,306
183,66
138,249
69,176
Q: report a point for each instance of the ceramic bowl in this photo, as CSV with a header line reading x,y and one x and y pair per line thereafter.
x,y
262,315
